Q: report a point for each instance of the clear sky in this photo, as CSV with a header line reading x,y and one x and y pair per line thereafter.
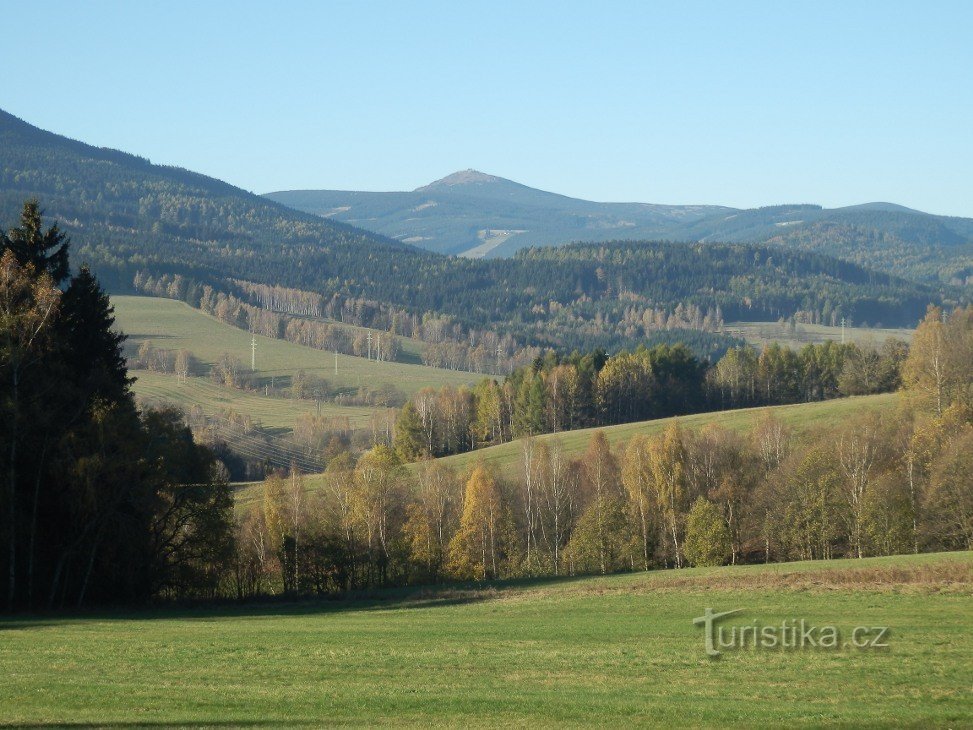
x,y
742,104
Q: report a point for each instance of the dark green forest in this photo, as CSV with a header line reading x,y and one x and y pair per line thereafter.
x,y
128,216
100,502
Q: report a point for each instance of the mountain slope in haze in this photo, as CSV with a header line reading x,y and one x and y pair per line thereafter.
x,y
473,214
123,212
479,215
191,235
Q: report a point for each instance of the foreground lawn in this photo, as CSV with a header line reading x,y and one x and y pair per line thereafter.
x,y
620,649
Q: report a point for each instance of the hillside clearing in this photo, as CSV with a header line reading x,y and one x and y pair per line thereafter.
x,y
268,412
173,325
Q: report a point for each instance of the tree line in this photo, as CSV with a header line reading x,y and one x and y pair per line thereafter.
x,y
561,393
102,503
880,482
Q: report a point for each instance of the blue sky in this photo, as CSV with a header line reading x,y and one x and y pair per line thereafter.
x,y
739,104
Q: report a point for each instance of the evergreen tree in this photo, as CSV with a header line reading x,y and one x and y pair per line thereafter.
x,y
46,251
410,442
87,330
529,406
99,505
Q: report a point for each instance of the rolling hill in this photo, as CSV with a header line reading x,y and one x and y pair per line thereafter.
x,y
257,423
473,214
506,458
173,325
801,417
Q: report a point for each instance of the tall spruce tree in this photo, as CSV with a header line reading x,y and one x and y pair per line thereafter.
x,y
46,251
100,504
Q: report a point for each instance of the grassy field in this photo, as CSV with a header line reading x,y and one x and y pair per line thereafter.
x,y
764,333
618,649
800,417
271,413
173,325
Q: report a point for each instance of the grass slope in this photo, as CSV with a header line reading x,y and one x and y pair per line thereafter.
x,y
765,333
619,649
506,458
271,413
172,325
800,417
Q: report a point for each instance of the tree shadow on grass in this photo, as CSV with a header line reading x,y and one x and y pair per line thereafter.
x,y
379,599
150,723
168,724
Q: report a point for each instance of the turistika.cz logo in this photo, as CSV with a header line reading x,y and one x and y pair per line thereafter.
x,y
791,633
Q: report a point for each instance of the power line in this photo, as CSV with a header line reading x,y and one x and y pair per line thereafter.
x,y
257,449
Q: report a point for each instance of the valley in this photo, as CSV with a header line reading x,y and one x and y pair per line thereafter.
x,y
671,425
173,325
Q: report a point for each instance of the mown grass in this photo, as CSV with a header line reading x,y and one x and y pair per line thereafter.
x,y
617,650
801,417
173,325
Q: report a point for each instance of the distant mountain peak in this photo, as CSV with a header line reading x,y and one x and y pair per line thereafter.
x,y
884,207
462,177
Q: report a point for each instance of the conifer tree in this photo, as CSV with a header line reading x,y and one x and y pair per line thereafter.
x,y
46,251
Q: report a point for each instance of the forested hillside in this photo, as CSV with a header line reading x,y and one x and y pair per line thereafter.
x,y
479,215
124,213
473,214
177,233
853,479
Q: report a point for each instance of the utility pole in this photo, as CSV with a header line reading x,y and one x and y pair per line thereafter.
x,y
253,353
369,338
842,330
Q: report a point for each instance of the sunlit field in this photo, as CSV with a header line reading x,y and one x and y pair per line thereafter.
x,y
173,325
800,417
619,649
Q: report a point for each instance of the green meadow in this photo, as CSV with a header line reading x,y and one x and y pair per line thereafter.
x,y
765,333
617,650
173,325
800,417
273,413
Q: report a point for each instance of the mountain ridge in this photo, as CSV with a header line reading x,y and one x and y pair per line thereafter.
x,y
177,233
476,214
